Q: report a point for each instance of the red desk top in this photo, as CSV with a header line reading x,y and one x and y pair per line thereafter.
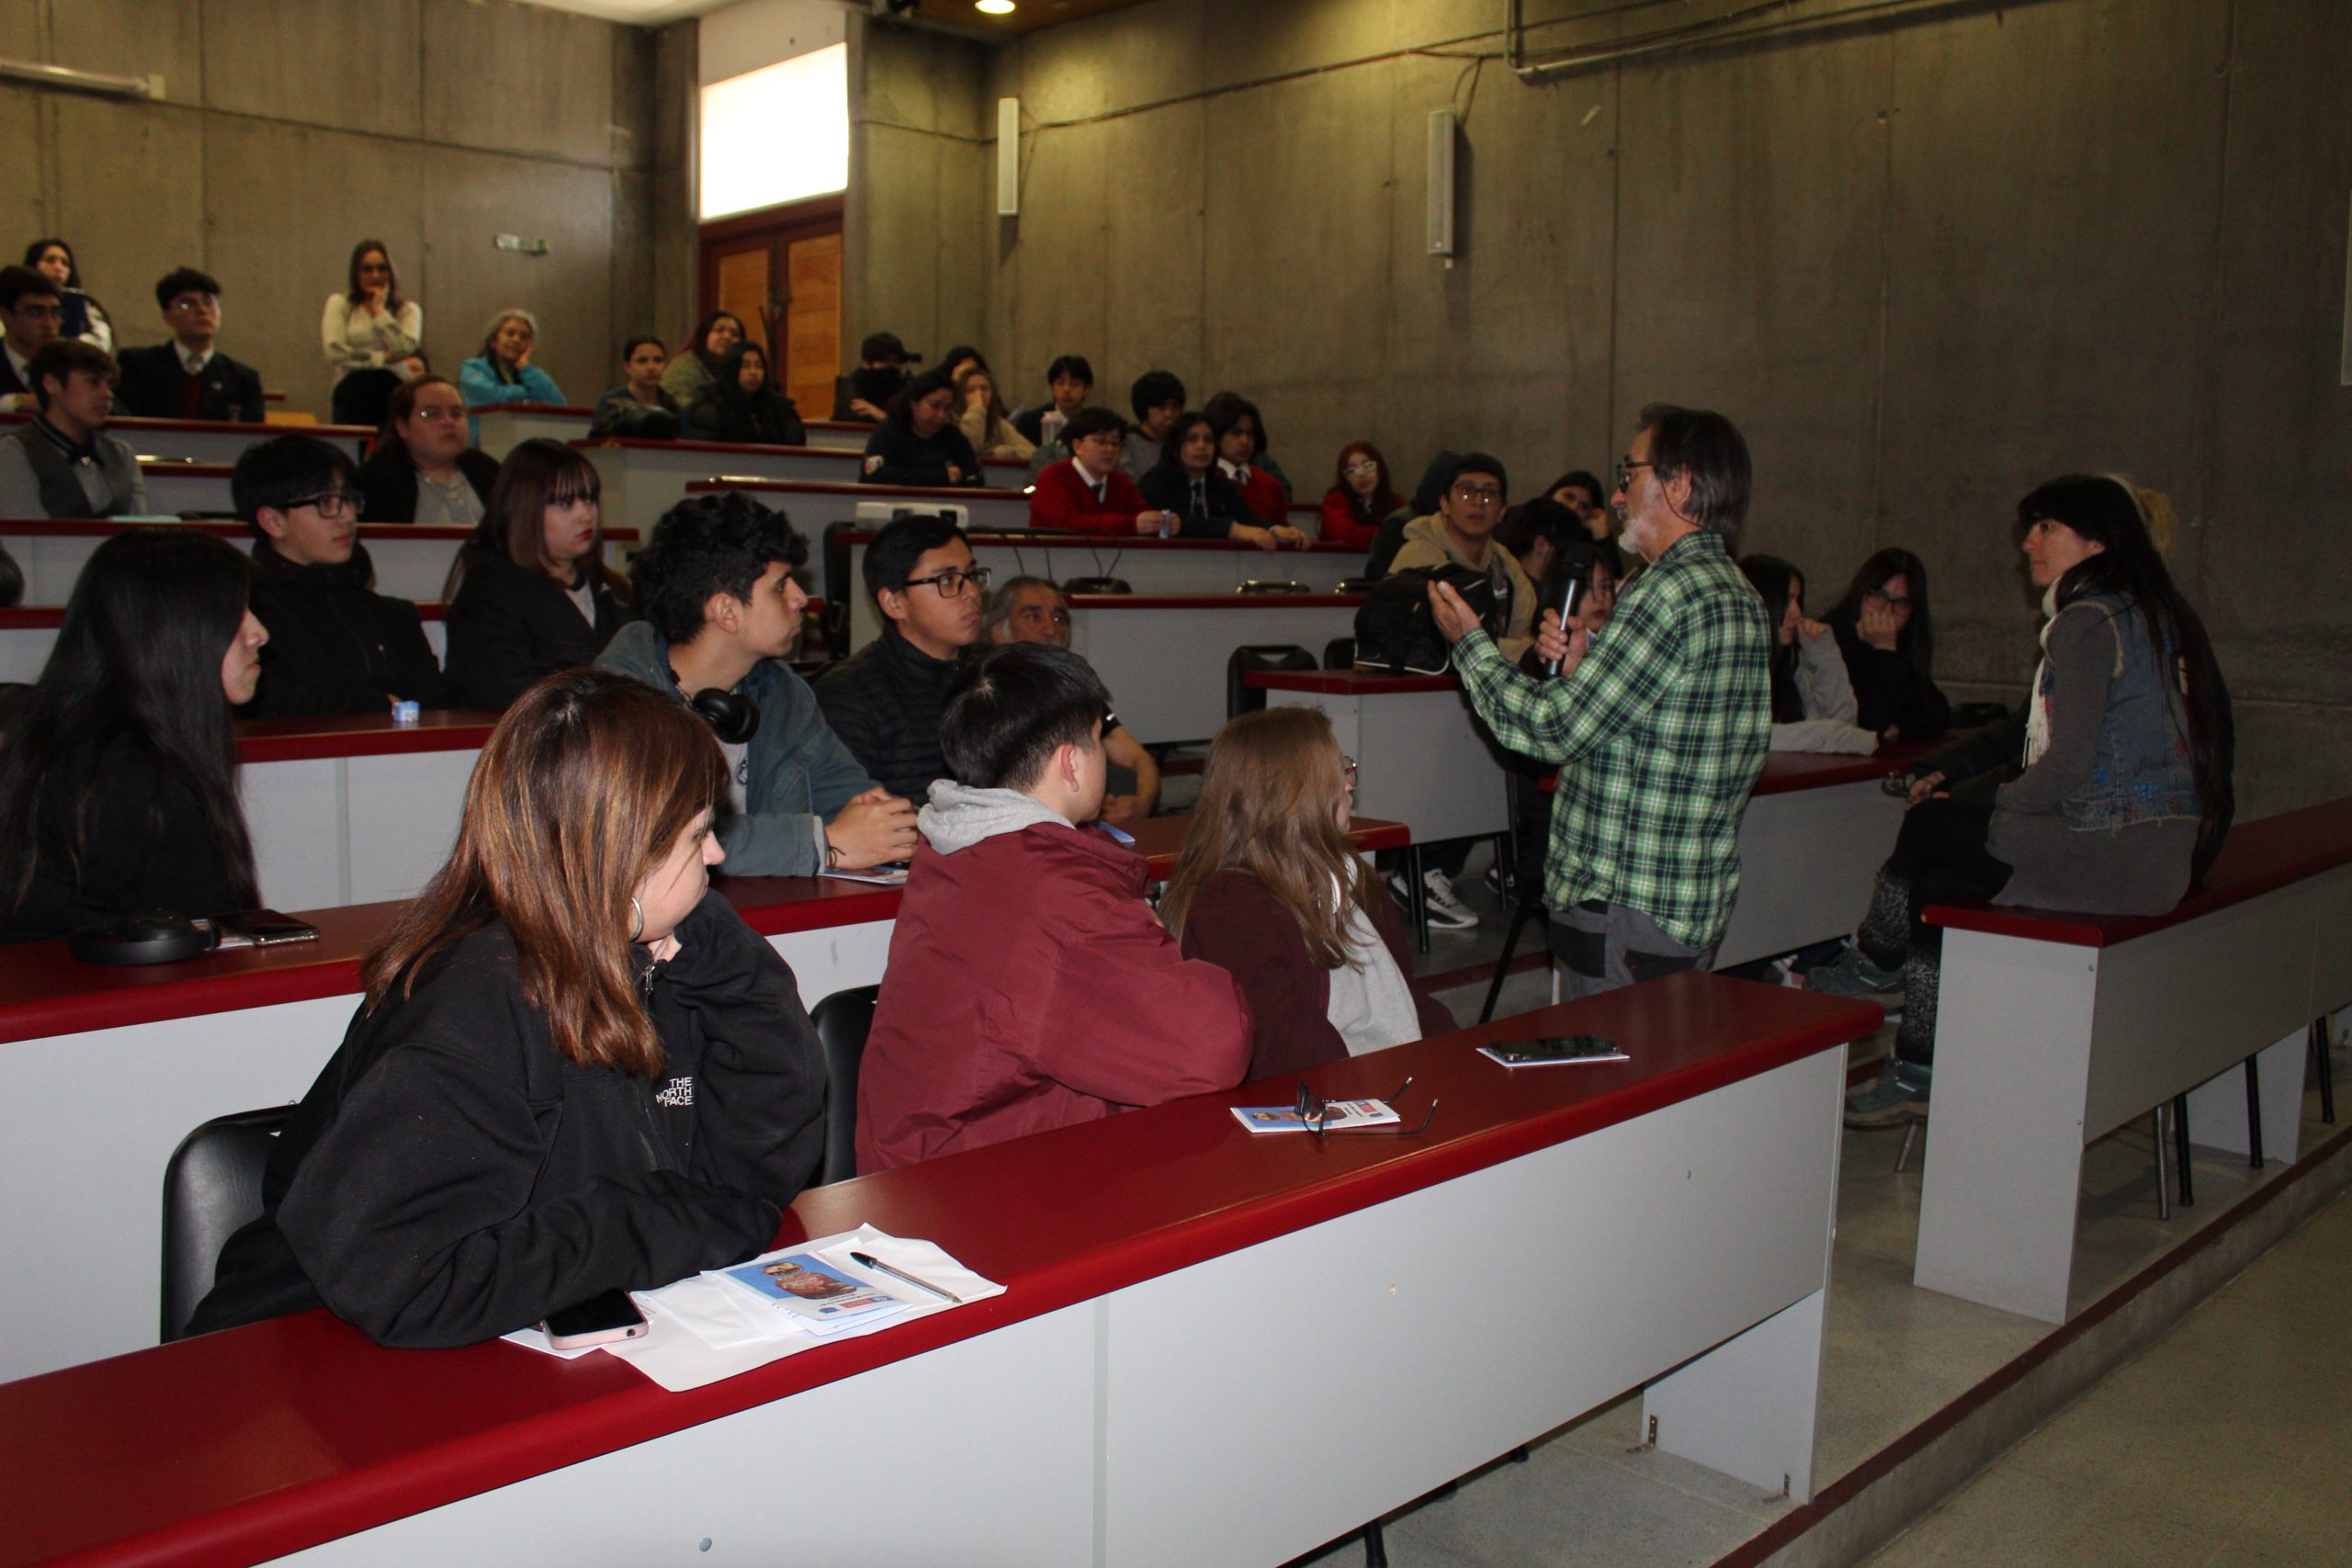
x,y
288,1433
1232,600
184,468
876,493
1043,539
49,993
830,454
369,532
361,735
1346,682
127,427
2260,857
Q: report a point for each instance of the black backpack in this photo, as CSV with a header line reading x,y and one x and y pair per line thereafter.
x,y
1395,631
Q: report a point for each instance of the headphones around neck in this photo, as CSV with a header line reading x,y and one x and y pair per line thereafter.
x,y
734,717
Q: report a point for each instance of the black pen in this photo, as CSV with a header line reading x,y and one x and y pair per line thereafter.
x,y
867,1260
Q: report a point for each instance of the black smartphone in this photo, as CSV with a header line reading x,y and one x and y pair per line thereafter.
x,y
1556,1048
264,928
600,1320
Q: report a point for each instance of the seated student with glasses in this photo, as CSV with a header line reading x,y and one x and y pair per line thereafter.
x,y
63,464
884,701
1268,886
1088,492
31,313
420,469
1888,638
188,378
1030,987
335,646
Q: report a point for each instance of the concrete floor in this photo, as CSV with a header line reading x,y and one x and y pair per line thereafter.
x,y
1587,1495
2227,1444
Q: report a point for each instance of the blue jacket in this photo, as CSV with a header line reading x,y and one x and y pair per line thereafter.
x,y
478,380
2143,771
797,774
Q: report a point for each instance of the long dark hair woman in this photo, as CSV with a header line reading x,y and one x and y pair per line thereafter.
x,y
1360,497
1812,697
2109,793
371,333
533,595
1187,484
119,768
79,315
1267,887
1887,634
742,405
575,1069
702,360
920,444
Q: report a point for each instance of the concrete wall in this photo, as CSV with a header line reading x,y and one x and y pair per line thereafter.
x,y
292,129
1924,263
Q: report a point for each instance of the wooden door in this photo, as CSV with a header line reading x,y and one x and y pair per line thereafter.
x,y
779,271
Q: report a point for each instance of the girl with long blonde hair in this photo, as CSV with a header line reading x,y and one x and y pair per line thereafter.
x,y
1269,887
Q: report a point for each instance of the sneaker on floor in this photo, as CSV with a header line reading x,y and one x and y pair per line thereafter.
x,y
1886,1103
1447,912
1851,974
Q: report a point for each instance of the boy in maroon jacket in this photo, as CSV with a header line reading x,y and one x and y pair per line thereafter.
x,y
1030,986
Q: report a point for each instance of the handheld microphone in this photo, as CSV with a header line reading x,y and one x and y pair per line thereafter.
x,y
1567,606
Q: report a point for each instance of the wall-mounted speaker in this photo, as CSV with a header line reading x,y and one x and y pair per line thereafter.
x,y
1008,157
1441,186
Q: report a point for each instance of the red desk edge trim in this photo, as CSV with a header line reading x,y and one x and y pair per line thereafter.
x,y
879,492
633,1410
1063,539
832,454
800,904
2229,884
1230,601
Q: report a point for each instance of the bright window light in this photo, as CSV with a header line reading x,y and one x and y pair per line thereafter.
x,y
776,134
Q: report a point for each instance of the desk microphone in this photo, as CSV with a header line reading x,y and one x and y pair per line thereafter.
x,y
1566,607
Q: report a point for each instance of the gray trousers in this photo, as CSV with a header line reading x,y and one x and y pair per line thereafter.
x,y
1604,946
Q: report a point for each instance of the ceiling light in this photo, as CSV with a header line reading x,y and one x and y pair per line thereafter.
x,y
994,7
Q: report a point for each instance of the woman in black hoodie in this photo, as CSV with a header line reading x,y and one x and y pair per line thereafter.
x,y
576,1069
533,593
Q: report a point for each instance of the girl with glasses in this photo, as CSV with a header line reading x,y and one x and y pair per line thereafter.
x,y
1360,497
1888,638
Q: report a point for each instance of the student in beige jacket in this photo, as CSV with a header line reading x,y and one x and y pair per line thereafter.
x,y
1462,534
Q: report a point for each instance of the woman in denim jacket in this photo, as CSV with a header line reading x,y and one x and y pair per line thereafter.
x,y
2108,793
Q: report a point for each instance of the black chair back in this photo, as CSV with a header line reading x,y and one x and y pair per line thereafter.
x,y
1339,653
842,1021
1240,699
211,1191
1097,585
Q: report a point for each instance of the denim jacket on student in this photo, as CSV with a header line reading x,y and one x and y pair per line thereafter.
x,y
795,772
2143,771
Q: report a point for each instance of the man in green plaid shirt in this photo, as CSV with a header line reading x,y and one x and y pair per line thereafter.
x,y
1660,722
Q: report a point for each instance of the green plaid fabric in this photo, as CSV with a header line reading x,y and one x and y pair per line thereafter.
x,y
1660,734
